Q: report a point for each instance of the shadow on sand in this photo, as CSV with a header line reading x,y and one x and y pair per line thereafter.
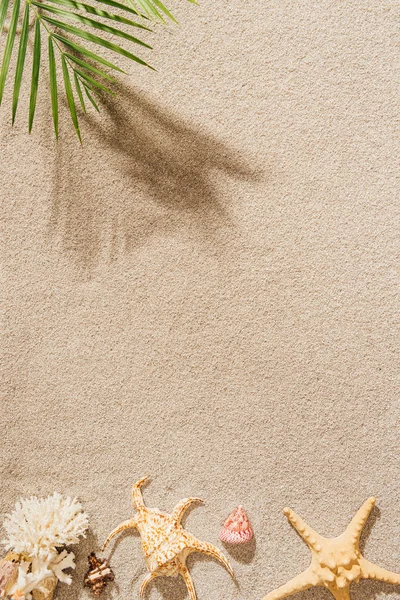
x,y
142,171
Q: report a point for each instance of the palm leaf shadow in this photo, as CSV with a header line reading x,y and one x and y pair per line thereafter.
x,y
142,172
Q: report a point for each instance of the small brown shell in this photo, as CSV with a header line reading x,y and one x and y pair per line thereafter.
x,y
236,529
99,574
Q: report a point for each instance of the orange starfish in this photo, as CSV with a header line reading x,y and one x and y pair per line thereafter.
x,y
166,544
335,562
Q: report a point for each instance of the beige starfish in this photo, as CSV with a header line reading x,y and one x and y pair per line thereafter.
x,y
166,544
335,562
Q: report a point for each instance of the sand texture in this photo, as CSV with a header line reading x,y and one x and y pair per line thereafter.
x,y
208,291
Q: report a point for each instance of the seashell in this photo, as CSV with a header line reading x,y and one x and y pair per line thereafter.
x,y
99,574
165,543
46,589
237,528
8,575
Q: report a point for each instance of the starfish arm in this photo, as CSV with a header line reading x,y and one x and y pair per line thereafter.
x,y
182,507
137,494
299,583
145,583
311,537
189,582
357,523
211,550
371,571
131,524
341,594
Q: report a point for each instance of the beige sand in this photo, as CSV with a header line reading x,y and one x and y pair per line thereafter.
x,y
207,291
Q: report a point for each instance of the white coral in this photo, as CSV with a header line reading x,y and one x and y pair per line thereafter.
x,y
36,528
28,580
64,560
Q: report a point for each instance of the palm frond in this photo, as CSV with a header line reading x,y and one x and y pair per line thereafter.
x,y
3,13
79,91
89,67
20,61
53,86
102,13
85,52
90,22
95,39
35,74
155,9
70,96
149,8
9,47
90,98
93,82
63,22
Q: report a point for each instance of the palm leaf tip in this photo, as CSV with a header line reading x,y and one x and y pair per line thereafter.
x,y
93,82
89,67
88,94
70,96
53,86
79,91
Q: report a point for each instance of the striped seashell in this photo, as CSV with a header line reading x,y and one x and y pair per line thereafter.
x,y
237,528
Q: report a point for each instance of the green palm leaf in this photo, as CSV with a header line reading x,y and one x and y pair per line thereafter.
x,y
91,22
148,8
160,6
155,9
85,52
83,69
70,97
106,2
9,47
20,61
35,74
95,39
53,86
94,83
102,13
79,91
89,67
91,98
3,13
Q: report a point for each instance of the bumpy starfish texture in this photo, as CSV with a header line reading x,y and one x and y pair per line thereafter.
x,y
165,543
335,562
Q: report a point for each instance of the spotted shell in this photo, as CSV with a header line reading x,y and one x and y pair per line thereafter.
x,y
237,528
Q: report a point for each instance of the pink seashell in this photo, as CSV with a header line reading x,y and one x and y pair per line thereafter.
x,y
8,576
237,528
